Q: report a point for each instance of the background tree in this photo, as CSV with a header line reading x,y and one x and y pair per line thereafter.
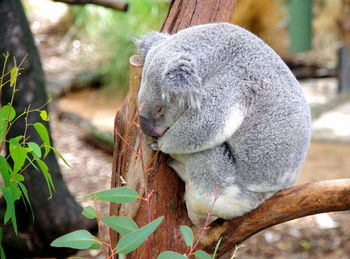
x,y
61,214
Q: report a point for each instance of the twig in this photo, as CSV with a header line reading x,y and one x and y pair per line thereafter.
x,y
114,4
193,248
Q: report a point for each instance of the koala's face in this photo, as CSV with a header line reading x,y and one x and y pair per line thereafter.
x,y
158,111
170,84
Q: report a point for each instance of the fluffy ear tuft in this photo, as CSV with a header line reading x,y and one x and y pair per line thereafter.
x,y
182,83
146,42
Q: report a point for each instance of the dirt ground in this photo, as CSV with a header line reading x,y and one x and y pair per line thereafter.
x,y
321,236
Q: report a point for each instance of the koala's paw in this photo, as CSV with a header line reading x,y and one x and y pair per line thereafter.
x,y
155,146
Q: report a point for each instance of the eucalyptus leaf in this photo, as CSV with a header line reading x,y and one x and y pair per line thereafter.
x,y
44,116
34,147
171,255
118,195
44,135
18,153
47,176
13,75
2,252
199,254
80,239
187,235
217,247
89,212
60,156
10,207
7,113
133,240
5,171
123,225
26,197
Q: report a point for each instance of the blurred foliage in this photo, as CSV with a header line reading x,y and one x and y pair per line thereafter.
x,y
266,19
113,33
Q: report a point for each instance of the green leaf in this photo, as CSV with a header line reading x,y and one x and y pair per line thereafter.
x,y
31,162
44,116
18,177
26,197
16,192
3,128
187,235
60,156
2,252
118,195
10,207
171,255
89,212
13,75
47,176
134,239
34,147
199,254
7,113
44,135
18,154
123,225
217,247
80,239
4,170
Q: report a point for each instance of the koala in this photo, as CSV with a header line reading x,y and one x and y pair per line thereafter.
x,y
229,113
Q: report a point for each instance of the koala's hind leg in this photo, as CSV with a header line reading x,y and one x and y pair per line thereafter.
x,y
198,205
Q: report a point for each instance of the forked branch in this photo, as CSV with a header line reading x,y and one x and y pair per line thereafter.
x,y
294,202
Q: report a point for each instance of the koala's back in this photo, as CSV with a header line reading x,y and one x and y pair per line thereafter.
x,y
238,68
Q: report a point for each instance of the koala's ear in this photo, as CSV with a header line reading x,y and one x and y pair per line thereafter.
x,y
146,42
182,83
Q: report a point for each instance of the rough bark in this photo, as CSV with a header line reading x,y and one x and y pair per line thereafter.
x,y
61,214
167,188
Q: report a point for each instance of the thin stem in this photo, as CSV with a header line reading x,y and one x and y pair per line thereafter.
x,y
205,228
26,125
6,56
98,219
126,143
110,244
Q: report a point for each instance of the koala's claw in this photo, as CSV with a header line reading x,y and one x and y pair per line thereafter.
x,y
155,146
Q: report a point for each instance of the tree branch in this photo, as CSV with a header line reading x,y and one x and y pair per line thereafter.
x,y
114,4
294,202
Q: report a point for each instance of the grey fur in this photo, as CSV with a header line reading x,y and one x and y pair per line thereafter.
x,y
232,112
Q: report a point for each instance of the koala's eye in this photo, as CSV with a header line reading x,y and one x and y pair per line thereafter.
x,y
159,111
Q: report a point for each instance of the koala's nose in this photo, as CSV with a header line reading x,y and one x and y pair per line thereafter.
x,y
147,126
149,129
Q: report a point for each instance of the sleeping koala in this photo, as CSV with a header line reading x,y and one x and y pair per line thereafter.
x,y
229,113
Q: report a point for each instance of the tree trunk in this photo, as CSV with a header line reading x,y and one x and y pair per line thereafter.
x,y
167,188
344,23
61,214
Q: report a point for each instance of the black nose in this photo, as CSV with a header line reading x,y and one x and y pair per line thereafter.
x,y
146,126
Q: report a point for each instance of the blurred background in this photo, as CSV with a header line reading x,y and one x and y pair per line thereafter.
x,y
85,50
